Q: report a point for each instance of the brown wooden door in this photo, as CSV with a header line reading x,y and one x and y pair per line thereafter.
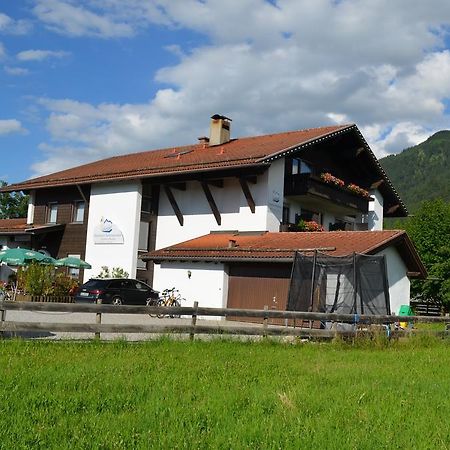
x,y
253,286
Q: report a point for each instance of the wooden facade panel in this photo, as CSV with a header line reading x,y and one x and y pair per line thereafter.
x,y
72,239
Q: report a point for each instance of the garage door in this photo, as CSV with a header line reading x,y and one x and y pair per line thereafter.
x,y
252,286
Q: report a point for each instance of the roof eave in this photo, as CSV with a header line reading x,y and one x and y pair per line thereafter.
x,y
135,175
217,259
294,148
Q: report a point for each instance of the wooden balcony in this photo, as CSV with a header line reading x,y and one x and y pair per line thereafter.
x,y
311,185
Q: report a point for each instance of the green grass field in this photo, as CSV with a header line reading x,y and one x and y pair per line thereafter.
x,y
223,394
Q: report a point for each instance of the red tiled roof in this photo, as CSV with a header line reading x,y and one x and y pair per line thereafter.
x,y
281,246
13,226
235,153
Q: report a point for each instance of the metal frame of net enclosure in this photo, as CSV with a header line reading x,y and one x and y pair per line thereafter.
x,y
352,284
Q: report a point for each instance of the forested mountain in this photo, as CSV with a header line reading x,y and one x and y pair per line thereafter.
x,y
421,172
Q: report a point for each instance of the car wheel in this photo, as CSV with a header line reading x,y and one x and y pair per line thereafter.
x,y
117,301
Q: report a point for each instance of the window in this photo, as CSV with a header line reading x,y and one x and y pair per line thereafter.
x,y
307,216
52,212
141,265
146,199
286,214
144,230
78,212
72,271
305,167
299,166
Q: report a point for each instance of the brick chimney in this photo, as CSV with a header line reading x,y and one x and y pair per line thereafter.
x,y
220,130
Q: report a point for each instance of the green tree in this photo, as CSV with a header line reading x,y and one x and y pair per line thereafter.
x,y
429,229
12,205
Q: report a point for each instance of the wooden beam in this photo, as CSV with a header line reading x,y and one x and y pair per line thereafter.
x,y
376,184
174,204
252,179
392,209
212,203
413,274
248,194
82,193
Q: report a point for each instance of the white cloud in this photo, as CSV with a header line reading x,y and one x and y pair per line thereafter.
x,y
9,126
2,51
11,26
40,55
15,71
271,68
77,19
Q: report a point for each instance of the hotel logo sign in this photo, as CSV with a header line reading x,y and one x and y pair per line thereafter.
x,y
107,232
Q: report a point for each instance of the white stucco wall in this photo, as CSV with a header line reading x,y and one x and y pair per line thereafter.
x,y
208,283
31,205
399,284
232,204
275,195
121,204
375,214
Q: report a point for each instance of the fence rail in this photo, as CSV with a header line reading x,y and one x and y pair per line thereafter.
x,y
193,327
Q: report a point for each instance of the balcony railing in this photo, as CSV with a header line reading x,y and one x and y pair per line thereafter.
x,y
309,184
292,227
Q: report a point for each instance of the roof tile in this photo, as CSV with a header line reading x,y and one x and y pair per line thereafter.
x,y
272,246
237,152
13,225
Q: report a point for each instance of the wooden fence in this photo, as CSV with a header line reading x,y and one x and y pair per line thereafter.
x,y
191,327
44,298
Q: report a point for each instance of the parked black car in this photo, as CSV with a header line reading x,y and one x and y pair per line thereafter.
x,y
115,291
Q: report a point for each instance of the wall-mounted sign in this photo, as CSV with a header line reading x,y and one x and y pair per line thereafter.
x,y
107,233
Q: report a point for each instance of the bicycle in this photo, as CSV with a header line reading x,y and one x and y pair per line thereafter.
x,y
152,302
5,295
168,298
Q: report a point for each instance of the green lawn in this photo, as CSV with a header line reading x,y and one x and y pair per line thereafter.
x,y
222,394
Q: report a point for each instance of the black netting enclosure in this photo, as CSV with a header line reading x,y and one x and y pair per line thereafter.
x,y
352,284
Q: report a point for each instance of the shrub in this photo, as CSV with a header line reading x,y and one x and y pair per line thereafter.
x,y
116,272
38,279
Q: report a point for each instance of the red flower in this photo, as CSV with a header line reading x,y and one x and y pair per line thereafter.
x,y
331,179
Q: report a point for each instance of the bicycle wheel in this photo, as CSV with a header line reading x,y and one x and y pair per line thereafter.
x,y
175,303
161,302
152,302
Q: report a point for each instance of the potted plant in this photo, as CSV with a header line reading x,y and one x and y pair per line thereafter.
x,y
310,225
358,190
331,179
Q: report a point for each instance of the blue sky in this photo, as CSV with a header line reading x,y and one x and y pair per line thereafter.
x,y
87,79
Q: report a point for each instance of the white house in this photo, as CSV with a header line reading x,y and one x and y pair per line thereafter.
x,y
114,211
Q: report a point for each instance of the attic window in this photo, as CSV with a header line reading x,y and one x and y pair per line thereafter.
x,y
299,166
177,155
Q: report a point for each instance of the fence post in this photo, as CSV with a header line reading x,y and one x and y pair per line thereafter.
x,y
334,327
98,318
2,319
193,321
266,321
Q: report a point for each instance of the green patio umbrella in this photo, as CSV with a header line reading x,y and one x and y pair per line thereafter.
x,y
74,263
23,256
